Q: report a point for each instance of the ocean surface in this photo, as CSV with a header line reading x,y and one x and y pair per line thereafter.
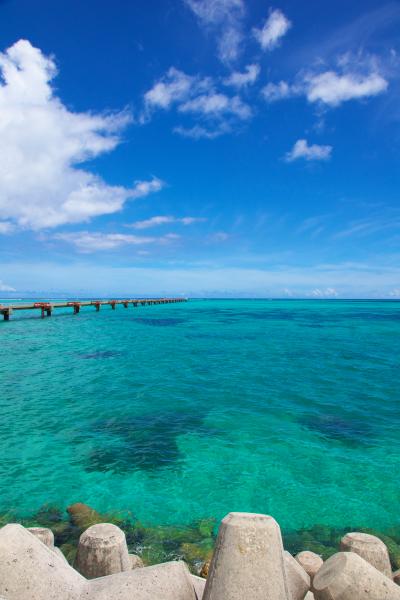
x,y
187,411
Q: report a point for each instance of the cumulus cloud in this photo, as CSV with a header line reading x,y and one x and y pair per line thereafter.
x,y
301,149
6,288
332,88
42,144
163,220
241,79
275,27
224,18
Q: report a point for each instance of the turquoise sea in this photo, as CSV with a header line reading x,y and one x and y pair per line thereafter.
x,y
187,411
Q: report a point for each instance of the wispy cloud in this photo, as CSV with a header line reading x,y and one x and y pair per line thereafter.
x,y
174,87
89,241
164,220
198,97
6,227
219,236
215,105
41,145
224,18
6,288
198,132
277,91
301,150
275,28
354,77
369,226
244,78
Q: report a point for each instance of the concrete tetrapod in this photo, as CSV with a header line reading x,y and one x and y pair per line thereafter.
x,y
168,581
44,534
310,562
199,584
31,570
248,560
135,561
370,548
59,553
298,580
102,551
347,576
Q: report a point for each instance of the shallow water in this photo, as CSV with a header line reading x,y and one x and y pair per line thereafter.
x,y
185,411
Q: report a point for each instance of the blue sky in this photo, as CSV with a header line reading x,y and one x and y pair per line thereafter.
x,y
200,147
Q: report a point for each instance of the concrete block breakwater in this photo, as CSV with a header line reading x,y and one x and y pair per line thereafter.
x,y
46,308
248,563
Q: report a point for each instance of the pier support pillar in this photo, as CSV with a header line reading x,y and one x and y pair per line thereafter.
x,y
113,305
48,312
6,313
125,304
77,308
97,306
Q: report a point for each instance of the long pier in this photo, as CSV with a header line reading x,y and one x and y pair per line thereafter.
x,y
46,308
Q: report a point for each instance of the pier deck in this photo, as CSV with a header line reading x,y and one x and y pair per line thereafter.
x,y
46,308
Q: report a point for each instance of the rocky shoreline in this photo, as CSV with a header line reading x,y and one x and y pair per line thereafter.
x,y
192,543
86,554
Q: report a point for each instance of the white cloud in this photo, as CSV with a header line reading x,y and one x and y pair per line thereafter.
x,y
301,149
174,87
6,288
215,104
275,27
163,220
395,293
86,241
323,293
277,91
6,227
241,79
42,143
332,89
224,17
197,96
198,132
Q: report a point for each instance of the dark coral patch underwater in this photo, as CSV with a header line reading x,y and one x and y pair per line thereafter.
x,y
167,322
348,430
98,354
147,442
